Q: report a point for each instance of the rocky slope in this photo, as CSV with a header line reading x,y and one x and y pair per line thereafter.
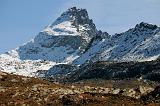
x,y
115,71
105,70
25,91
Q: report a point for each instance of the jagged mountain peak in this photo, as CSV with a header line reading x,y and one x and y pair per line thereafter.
x,y
145,25
80,16
75,18
75,12
141,29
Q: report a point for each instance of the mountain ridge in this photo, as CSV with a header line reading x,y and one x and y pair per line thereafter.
x,y
73,39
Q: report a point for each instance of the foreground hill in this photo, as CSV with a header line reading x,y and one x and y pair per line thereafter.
x,y
25,91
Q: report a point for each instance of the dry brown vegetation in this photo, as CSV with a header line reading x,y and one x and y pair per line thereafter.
x,y
25,91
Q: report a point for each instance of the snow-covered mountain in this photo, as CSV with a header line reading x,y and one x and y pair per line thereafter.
x,y
62,41
74,40
137,44
59,43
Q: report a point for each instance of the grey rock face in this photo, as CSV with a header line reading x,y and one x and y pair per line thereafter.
x,y
79,18
146,26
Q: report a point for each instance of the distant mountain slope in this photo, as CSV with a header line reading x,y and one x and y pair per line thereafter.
x,y
104,70
137,44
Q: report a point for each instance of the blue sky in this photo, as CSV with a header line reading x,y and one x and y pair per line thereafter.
x,y
21,20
